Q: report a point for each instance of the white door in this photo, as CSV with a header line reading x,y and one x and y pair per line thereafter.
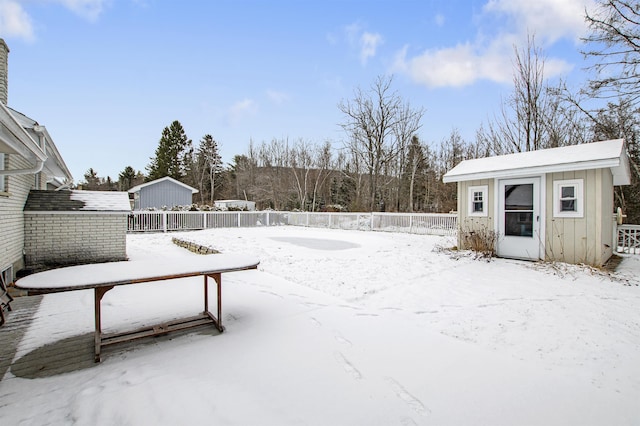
x,y
519,218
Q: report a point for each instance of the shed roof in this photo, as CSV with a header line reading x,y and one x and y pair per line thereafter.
x,y
597,155
137,188
84,201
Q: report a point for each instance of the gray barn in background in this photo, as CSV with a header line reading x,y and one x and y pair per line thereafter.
x,y
163,193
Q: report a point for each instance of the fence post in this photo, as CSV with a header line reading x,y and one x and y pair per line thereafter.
x,y
238,219
204,220
164,221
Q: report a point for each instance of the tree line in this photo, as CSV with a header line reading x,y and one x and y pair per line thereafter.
x,y
384,165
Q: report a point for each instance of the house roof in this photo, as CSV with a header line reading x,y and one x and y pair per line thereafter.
x,y
54,163
20,135
137,188
14,139
597,155
77,201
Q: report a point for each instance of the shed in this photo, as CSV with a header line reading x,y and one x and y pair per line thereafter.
x,y
162,193
235,204
555,204
74,227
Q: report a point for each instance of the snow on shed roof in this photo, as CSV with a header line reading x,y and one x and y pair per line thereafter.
x,y
167,178
84,201
597,155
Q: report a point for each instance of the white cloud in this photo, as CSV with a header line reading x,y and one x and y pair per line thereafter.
x,y
490,57
241,109
88,9
365,42
368,45
14,21
277,97
439,20
548,19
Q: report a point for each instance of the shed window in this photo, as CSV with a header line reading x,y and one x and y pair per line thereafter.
x,y
478,204
568,198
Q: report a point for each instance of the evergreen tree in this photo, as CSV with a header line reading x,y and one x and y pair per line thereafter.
x,y
126,178
173,155
209,165
91,180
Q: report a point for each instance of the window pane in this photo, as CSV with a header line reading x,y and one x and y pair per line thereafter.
x,y
477,207
477,196
519,224
568,192
518,197
567,205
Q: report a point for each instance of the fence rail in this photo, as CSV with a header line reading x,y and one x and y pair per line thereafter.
x,y
629,239
416,223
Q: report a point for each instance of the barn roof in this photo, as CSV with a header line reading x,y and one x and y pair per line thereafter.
x,y
137,188
597,155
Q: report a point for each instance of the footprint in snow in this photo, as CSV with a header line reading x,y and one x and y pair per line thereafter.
x,y
348,367
341,339
414,403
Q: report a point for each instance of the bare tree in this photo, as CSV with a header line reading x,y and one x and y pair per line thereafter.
x,y
373,122
614,43
323,164
300,163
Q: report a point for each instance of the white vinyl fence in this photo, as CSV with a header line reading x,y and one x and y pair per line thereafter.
x,y
416,223
629,239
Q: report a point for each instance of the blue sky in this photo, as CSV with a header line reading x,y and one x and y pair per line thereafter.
x,y
106,76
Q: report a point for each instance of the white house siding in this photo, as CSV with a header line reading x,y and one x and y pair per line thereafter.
x,y
11,216
475,223
66,238
587,239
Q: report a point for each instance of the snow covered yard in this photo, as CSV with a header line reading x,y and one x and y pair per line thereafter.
x,y
348,328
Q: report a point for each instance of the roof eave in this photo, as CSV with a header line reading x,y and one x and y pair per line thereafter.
x,y
611,163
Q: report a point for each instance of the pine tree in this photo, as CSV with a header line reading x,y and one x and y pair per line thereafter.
x,y
209,166
126,178
173,155
92,181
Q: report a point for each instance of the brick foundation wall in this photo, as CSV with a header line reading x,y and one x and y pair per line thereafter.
x,y
69,239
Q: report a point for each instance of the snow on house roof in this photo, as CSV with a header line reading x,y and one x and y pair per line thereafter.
x,y
167,178
78,201
597,155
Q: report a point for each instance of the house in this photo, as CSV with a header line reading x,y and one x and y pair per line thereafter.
x,y
555,204
163,193
28,160
74,227
235,205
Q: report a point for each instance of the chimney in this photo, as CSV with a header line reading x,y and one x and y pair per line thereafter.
x,y
4,71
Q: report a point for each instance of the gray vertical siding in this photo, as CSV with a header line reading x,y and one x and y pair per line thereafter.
x,y
164,194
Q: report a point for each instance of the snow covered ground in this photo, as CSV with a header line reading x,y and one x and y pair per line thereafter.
x,y
349,328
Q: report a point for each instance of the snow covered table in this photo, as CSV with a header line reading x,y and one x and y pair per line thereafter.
x,y
102,277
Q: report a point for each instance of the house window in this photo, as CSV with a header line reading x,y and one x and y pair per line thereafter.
x,y
568,198
478,203
2,177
